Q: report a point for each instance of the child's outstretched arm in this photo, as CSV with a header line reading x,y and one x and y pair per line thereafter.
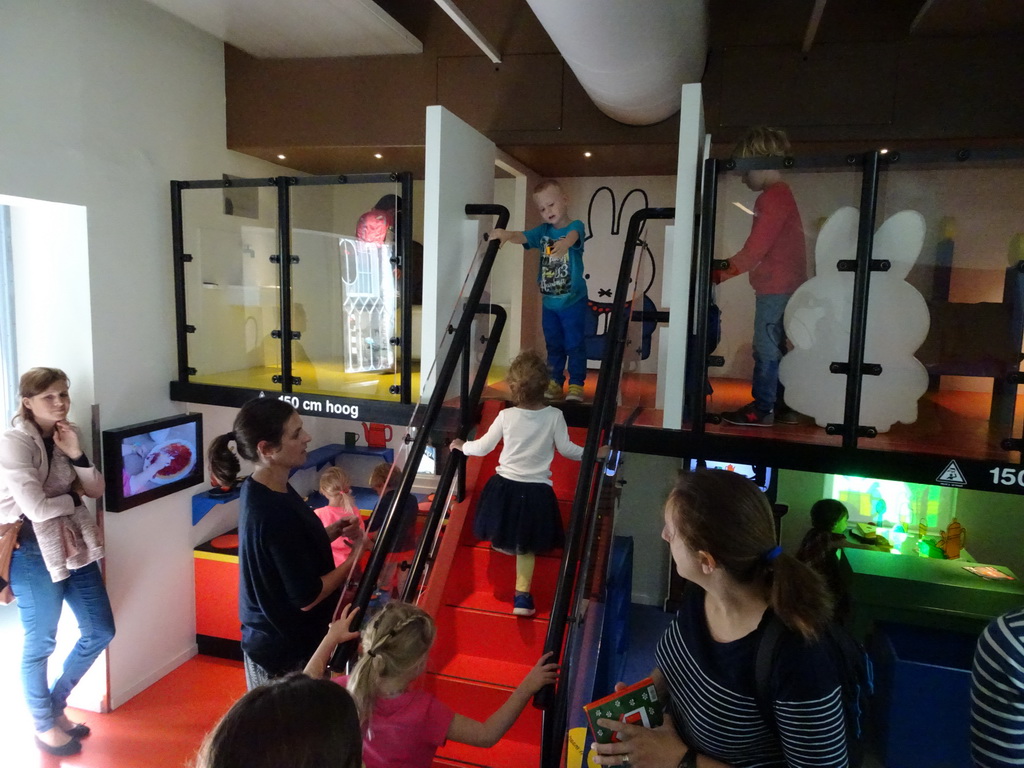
x,y
507,236
483,445
337,634
465,730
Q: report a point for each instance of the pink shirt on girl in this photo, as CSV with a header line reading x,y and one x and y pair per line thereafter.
x,y
341,547
404,731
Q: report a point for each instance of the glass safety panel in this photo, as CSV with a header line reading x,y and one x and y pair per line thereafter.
x,y
946,318
780,316
232,285
345,290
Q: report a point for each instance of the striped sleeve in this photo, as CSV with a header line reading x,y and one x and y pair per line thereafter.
x,y
997,694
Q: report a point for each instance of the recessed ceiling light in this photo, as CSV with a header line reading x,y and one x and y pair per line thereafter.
x,y
378,155
586,154
281,157
883,151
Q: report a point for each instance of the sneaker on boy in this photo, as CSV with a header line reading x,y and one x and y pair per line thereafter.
x,y
523,604
786,415
575,394
553,392
749,416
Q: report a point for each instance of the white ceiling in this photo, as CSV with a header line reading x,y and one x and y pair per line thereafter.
x,y
287,29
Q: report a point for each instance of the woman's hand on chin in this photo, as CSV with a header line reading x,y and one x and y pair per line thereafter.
x,y
66,438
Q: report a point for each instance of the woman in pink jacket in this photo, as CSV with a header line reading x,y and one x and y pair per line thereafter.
x,y
43,475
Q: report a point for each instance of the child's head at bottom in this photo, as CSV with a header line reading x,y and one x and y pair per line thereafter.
x,y
381,478
527,378
334,482
295,721
395,645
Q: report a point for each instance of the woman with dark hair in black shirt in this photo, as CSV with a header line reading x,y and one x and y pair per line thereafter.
x,y
289,582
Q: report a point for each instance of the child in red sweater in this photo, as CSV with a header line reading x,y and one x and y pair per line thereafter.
x,y
776,258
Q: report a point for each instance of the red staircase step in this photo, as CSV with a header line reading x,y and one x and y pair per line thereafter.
x,y
462,666
479,702
485,580
505,754
487,635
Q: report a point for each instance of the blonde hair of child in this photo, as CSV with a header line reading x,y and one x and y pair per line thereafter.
x,y
395,643
763,141
527,378
548,184
333,478
379,476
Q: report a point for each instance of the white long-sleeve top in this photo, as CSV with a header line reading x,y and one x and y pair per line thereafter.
x,y
530,438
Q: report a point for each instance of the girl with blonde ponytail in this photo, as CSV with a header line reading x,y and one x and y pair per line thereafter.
x,y
721,534
403,727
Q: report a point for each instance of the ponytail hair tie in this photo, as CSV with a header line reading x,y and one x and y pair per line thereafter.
x,y
371,653
769,555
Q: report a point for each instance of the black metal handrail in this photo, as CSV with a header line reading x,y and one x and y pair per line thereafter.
x,y
391,528
438,507
601,419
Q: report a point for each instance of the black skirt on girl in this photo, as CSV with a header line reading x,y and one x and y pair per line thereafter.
x,y
521,518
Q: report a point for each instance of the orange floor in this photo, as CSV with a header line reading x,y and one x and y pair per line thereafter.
x,y
162,727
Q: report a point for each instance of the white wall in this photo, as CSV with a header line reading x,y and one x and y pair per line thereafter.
x,y
105,102
459,170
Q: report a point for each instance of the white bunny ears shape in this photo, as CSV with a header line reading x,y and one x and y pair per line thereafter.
x,y
898,240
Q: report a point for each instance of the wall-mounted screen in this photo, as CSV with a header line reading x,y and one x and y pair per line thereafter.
x,y
142,462
893,504
760,475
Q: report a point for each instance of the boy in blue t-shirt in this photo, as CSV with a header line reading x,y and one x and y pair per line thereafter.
x,y
562,285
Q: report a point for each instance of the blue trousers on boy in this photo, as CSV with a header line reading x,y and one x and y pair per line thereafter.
x,y
566,342
769,347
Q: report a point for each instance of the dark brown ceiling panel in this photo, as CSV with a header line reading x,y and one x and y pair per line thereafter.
x,y
523,93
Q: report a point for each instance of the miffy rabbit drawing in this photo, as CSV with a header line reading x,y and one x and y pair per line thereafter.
x,y
817,322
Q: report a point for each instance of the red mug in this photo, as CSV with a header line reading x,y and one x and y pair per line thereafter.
x,y
377,435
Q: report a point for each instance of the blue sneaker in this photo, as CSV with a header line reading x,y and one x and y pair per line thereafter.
x,y
523,604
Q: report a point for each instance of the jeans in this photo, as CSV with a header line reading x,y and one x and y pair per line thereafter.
x,y
255,675
769,347
565,339
40,601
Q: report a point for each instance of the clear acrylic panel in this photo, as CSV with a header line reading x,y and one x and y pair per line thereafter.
x,y
345,291
945,322
428,468
232,288
808,293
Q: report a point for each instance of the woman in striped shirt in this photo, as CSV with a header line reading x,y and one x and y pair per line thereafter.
x,y
721,533
997,694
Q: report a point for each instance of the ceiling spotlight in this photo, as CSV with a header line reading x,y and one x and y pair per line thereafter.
x,y
378,155
586,154
281,157
883,151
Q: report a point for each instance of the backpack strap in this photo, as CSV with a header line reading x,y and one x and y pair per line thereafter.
x,y
767,649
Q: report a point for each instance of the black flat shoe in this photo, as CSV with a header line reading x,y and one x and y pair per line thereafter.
x,y
78,731
73,747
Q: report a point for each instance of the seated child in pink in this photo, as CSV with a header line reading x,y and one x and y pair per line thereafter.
x,y
335,486
403,728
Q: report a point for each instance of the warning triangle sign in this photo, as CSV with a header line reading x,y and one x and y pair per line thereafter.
x,y
952,475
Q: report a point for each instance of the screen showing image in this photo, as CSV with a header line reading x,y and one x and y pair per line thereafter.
x,y
760,476
156,458
894,504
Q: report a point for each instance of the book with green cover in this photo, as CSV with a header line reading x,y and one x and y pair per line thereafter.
x,y
638,705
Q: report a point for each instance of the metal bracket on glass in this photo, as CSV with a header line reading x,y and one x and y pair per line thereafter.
x,y
712,418
395,341
408,438
838,429
395,389
719,264
1012,444
191,371
875,265
276,334
867,369
450,329
190,329
1017,377
275,258
716,361
279,379
186,257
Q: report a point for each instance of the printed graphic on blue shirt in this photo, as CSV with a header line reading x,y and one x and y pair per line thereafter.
x,y
555,276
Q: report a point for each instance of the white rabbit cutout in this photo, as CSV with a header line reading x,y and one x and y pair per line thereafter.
x,y
817,321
